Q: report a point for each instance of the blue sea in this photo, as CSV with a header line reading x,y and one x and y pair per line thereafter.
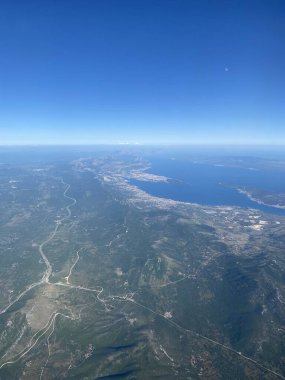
x,y
204,184
208,184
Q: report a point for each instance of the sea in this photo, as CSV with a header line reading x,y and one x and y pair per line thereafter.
x,y
194,178
211,184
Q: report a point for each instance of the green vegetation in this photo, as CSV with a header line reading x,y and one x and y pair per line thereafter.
x,y
138,287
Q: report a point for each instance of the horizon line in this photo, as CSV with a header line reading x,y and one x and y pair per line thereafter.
x,y
221,145
139,144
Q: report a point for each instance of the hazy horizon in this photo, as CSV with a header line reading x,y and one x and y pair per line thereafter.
x,y
145,144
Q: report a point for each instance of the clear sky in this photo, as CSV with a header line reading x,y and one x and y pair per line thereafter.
x,y
146,71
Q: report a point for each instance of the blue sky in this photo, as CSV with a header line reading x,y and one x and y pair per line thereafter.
x,y
146,71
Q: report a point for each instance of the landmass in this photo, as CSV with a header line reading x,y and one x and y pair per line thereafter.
x,y
100,279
